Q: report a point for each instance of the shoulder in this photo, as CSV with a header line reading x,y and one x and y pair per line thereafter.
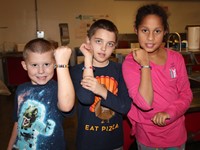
x,y
23,86
75,68
129,62
76,71
174,55
115,66
128,58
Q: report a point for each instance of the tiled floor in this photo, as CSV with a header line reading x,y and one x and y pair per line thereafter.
x,y
6,124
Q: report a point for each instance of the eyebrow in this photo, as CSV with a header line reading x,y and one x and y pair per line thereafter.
x,y
96,38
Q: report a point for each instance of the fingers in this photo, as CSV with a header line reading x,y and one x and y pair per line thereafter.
x,y
92,84
87,81
62,54
85,47
62,50
134,51
160,119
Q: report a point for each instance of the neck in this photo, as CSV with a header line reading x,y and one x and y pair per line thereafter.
x,y
100,64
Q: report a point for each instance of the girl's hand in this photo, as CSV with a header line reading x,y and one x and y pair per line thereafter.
x,y
86,50
141,56
91,84
62,54
160,118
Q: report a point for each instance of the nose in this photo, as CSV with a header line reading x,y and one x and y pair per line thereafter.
x,y
41,69
150,36
103,47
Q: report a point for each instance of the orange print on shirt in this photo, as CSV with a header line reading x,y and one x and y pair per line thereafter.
x,y
110,83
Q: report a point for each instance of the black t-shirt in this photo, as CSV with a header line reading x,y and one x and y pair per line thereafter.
x,y
100,120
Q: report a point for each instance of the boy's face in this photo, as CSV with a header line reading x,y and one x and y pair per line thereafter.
x,y
40,67
102,44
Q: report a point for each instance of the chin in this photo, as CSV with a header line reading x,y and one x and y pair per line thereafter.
x,y
40,82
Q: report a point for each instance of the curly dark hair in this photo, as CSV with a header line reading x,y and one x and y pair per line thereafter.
x,y
152,9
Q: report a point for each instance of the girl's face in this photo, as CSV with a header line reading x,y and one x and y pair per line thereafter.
x,y
40,67
102,44
150,33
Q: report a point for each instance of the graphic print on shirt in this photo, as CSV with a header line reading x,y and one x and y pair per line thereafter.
x,y
31,124
172,71
102,112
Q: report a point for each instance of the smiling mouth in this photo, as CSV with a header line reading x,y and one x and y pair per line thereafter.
x,y
149,45
41,77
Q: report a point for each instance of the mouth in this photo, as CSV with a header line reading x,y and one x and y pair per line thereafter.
x,y
102,54
41,77
149,45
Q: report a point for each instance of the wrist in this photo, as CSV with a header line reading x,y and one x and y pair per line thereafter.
x,y
88,67
61,66
88,62
145,66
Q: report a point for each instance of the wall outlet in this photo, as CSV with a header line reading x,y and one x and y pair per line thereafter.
x,y
40,34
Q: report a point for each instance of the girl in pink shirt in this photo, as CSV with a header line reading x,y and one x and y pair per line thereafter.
x,y
158,84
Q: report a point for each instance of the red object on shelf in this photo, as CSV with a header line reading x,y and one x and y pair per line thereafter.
x,y
14,73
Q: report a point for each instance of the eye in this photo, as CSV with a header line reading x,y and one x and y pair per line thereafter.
x,y
157,31
144,30
111,44
46,64
34,65
98,41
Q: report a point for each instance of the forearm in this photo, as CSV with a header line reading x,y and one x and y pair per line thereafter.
x,y
180,106
88,67
66,94
145,86
134,79
119,103
13,137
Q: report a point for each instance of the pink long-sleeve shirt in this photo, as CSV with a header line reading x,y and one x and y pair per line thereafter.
x,y
172,94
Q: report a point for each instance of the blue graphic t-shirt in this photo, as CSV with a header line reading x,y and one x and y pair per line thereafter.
x,y
39,119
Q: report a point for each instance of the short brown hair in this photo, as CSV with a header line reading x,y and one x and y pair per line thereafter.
x,y
38,45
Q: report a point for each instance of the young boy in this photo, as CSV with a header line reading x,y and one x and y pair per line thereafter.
x,y
39,104
101,91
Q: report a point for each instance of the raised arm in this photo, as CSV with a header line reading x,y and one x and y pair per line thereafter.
x,y
66,94
89,82
145,86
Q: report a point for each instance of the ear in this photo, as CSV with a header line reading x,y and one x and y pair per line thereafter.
x,y
135,29
136,32
87,40
24,65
